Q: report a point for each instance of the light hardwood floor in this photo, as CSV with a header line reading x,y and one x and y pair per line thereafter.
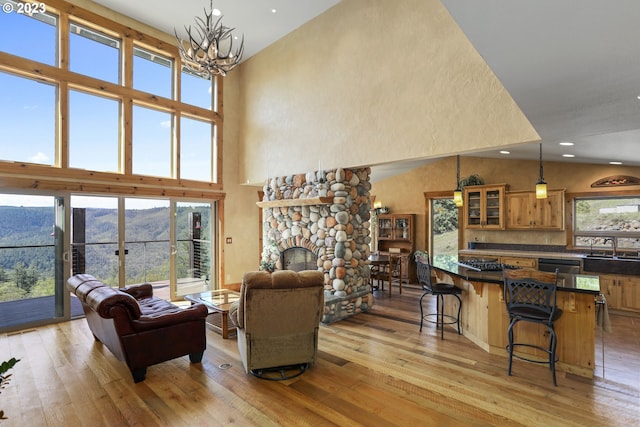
x,y
374,369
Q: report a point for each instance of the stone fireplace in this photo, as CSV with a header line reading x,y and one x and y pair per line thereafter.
x,y
326,217
298,258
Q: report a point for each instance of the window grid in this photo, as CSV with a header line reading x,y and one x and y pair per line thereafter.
x,y
123,90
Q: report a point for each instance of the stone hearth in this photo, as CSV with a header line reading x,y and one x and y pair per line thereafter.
x,y
328,214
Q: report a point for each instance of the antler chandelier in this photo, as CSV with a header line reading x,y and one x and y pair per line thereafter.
x,y
209,51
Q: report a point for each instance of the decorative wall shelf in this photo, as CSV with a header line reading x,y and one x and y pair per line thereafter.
x,y
295,202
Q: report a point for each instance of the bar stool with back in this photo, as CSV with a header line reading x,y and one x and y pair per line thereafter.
x,y
530,296
439,290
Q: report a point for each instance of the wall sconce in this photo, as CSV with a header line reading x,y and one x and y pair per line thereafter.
x,y
457,194
541,186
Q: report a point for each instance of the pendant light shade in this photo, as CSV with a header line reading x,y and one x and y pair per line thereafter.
x,y
541,186
457,194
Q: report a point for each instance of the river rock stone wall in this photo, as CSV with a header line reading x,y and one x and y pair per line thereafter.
x,y
338,233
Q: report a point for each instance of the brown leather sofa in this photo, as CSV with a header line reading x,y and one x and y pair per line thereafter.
x,y
137,327
277,319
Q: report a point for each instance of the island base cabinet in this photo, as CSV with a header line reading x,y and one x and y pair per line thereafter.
x,y
484,321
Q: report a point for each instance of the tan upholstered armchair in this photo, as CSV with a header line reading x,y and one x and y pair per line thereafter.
x,y
277,318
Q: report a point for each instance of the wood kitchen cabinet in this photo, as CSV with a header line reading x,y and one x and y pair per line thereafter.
x,y
484,207
621,292
525,212
629,293
522,262
611,290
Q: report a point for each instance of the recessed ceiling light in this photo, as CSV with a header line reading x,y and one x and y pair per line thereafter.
x,y
568,144
505,152
616,163
216,12
568,155
274,10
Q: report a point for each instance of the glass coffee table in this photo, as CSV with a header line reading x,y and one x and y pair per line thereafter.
x,y
218,302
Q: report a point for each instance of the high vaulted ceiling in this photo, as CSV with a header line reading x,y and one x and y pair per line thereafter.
x,y
573,66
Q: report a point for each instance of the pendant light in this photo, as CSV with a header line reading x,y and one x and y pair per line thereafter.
x,y
541,186
457,194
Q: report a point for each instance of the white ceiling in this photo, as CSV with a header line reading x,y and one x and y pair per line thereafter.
x,y
573,66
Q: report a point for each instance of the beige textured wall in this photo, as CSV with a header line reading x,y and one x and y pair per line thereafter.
x,y
370,82
241,215
405,193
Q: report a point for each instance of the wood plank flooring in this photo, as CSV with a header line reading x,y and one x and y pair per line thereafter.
x,y
374,369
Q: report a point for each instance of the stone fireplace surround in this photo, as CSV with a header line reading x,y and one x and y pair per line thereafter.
x,y
328,214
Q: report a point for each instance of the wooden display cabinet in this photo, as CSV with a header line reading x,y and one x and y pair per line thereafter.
x,y
397,231
525,212
484,207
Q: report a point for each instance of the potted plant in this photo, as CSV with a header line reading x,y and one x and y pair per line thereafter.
x,y
267,266
473,179
4,377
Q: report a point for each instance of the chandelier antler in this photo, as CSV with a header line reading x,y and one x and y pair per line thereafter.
x,y
209,52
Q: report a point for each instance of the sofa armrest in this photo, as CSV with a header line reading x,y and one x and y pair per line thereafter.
x,y
173,317
141,291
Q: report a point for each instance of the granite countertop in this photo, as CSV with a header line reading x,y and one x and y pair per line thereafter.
x,y
582,283
524,253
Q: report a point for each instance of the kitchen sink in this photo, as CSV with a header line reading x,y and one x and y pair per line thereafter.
x,y
611,264
621,256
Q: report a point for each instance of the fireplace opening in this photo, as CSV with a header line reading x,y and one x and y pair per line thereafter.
x,y
298,259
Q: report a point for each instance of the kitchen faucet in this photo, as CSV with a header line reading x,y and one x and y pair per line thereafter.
x,y
613,244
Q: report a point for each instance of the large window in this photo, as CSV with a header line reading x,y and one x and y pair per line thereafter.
x,y
55,116
100,121
602,223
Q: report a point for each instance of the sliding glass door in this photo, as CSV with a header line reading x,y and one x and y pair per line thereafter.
x,y
120,240
194,255
31,267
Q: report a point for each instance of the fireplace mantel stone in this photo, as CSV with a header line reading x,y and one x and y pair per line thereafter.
x,y
295,202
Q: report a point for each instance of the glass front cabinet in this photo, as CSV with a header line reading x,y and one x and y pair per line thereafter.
x,y
395,227
484,207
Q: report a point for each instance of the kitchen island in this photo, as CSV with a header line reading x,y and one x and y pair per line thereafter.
x,y
484,317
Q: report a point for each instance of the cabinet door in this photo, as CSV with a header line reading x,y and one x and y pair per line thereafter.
x,y
609,287
519,210
629,293
493,208
549,212
402,228
473,207
385,227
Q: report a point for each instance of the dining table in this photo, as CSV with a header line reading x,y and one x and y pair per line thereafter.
x,y
384,262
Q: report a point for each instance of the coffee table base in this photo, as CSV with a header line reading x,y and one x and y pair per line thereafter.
x,y
219,322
